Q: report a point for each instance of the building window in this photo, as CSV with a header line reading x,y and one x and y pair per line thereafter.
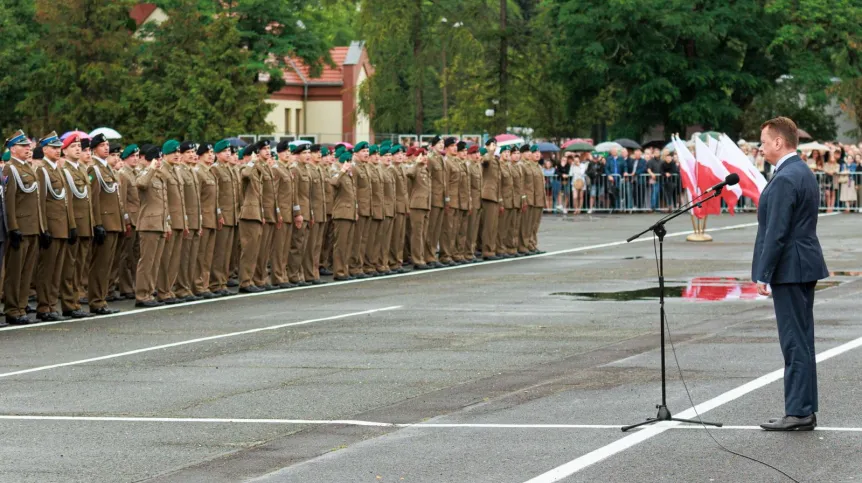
x,y
299,126
286,120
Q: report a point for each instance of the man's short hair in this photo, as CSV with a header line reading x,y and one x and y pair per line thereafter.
x,y
785,128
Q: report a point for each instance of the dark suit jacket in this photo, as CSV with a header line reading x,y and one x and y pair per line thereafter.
x,y
787,249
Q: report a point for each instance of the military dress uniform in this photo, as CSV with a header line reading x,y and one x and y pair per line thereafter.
x,y
271,216
372,247
302,197
317,211
210,216
461,253
507,190
328,171
169,267
130,247
528,184
362,181
77,256
344,215
420,208
108,219
475,170
519,201
283,235
538,205
153,225
251,222
228,203
395,259
439,201
385,238
452,216
191,244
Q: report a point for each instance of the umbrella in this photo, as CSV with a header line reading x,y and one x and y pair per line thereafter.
x,y
80,134
804,135
548,148
300,142
107,132
508,140
607,146
627,143
579,147
237,142
655,143
813,147
669,147
576,140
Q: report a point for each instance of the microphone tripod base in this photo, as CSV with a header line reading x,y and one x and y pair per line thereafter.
x,y
699,237
664,415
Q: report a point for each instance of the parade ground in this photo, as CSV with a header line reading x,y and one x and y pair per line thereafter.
x,y
518,370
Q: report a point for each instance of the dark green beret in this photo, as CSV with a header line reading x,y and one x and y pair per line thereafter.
x,y
483,151
324,151
534,148
345,157
360,146
240,153
7,156
130,150
373,149
396,148
171,146
221,145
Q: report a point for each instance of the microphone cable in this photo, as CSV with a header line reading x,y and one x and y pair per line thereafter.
x,y
691,401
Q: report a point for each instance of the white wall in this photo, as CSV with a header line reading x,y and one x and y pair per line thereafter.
x,y
277,115
324,120
363,123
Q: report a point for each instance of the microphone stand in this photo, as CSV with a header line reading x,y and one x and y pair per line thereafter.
x,y
659,230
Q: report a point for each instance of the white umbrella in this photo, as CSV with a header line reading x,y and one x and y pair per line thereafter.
x,y
607,146
813,147
299,142
510,142
107,132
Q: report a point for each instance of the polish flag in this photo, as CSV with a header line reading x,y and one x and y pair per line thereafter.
x,y
687,172
751,181
710,172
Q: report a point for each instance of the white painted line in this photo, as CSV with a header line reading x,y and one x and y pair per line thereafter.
x,y
366,280
195,341
622,444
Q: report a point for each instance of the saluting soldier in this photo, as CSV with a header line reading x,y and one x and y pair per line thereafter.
x,y
329,169
169,267
539,200
211,220
451,216
520,200
110,222
301,214
439,201
283,235
475,169
376,182
385,239
362,187
191,244
492,201
461,253
510,204
344,215
228,204
27,231
395,256
420,208
527,173
130,247
316,225
60,221
251,222
271,214
153,227
236,168
76,266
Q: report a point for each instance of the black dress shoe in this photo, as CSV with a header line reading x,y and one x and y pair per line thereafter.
x,y
286,285
149,304
791,423
351,277
359,276
170,301
207,295
436,264
224,292
250,289
76,314
303,283
83,300
103,311
270,286
233,283
325,272
341,279
29,309
539,252
115,296
317,282
20,320
128,296
50,317
421,267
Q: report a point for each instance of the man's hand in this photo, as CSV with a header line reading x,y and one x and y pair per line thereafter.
x,y
502,209
99,235
763,289
279,223
186,233
15,238
297,221
168,235
128,231
220,223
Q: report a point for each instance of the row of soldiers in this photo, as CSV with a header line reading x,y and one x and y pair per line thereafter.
x,y
184,221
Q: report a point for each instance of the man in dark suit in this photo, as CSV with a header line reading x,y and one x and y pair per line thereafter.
x,y
788,257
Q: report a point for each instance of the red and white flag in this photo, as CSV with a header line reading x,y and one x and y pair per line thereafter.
x,y
687,172
751,181
710,172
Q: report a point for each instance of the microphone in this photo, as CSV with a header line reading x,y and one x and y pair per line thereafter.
x,y
731,180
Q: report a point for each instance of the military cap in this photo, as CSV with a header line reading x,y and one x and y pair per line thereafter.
x,y
411,151
360,146
483,151
282,146
38,154
6,156
473,149
51,139
525,148
490,141
386,150
221,145
396,148
262,144
449,141
204,148
421,151
144,148
70,140
17,139
345,157
241,153
115,148
170,147
315,148
324,151
130,150
387,143
96,140
85,143
434,140
187,146
461,145
153,153
374,149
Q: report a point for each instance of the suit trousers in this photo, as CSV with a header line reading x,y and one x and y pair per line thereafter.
x,y
526,230
152,245
537,221
432,233
233,267
408,233
128,268
514,231
204,260
119,262
297,251
20,264
188,264
360,240
473,231
328,240
100,270
794,310
418,229
490,220
504,232
395,257
462,248
48,275
71,290
448,234
250,236
169,267
311,256
281,240
383,244
342,239
371,247
221,258
263,255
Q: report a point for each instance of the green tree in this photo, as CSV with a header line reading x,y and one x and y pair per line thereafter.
x,y
784,100
17,58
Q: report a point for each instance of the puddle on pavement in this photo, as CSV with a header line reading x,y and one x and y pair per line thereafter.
x,y
703,289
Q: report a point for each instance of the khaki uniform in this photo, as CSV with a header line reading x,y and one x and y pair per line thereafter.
x,y
25,213
344,214
60,221
126,264
169,268
251,221
314,244
395,256
228,203
475,169
302,206
234,254
152,227
510,205
210,214
372,247
538,204
328,171
439,200
108,212
460,253
77,266
190,245
420,207
284,235
492,198
452,216
519,200
384,240
271,214
362,185
526,229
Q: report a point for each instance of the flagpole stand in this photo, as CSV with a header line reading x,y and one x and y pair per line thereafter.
x,y
699,235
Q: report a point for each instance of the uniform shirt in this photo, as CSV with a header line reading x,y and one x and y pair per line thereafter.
x,y
177,218
208,183
439,182
24,212
344,205
153,212
302,190
228,196
56,205
389,189
362,185
107,205
376,181
79,191
420,194
192,194
129,193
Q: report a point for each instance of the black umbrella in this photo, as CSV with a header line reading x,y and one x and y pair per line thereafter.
x,y
627,143
237,142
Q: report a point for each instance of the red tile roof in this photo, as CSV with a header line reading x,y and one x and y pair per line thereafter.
x,y
298,72
142,12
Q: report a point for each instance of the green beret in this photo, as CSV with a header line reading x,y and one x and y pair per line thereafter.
x,y
534,148
386,143
324,151
221,145
130,150
171,146
345,157
396,148
373,149
7,156
360,146
483,151
240,153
